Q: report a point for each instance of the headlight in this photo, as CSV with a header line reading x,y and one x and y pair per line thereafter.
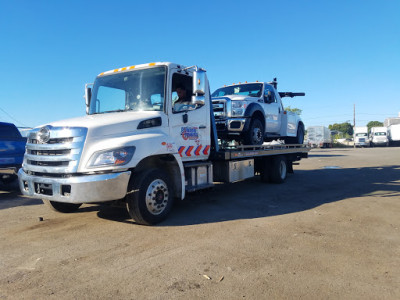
x,y
113,157
238,108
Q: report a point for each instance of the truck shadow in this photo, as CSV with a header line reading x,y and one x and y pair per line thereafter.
x,y
250,199
10,196
308,189
304,190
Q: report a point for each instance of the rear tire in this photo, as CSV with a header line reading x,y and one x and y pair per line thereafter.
x,y
265,170
61,207
255,134
278,170
299,139
150,196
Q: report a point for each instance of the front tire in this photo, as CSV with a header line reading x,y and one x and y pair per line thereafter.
x,y
255,134
150,197
61,207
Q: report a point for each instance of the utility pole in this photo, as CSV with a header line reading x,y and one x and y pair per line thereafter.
x,y
354,123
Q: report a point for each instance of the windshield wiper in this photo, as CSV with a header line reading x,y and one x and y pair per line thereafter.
x,y
108,111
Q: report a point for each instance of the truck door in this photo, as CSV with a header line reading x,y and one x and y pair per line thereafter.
x,y
273,110
189,124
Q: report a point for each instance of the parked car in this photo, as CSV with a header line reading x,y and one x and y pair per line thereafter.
x,y
12,148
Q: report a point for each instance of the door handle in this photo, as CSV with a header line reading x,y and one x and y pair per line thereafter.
x,y
202,127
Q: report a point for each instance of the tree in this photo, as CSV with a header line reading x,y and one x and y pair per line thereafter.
x,y
295,110
374,124
345,127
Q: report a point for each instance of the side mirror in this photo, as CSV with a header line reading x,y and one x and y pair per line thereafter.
x,y
199,87
88,97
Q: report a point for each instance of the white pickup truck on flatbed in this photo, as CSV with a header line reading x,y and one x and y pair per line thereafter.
x,y
252,113
134,148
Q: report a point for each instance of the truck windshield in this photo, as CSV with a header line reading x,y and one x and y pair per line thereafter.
x,y
139,90
361,134
249,89
380,133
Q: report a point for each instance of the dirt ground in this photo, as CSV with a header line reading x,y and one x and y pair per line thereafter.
x,y
331,231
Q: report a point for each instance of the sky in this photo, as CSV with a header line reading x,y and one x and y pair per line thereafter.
x,y
342,54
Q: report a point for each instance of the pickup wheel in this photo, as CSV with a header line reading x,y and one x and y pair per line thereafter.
x,y
62,207
278,169
7,179
255,134
150,196
299,139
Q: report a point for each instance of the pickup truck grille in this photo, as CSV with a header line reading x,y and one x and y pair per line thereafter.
x,y
219,108
59,155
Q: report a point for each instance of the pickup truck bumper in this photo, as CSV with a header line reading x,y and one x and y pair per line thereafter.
x,y
233,126
9,170
76,189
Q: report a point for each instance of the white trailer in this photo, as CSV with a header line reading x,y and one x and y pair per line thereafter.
x,y
319,136
394,134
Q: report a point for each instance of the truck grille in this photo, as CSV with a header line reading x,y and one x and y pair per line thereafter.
x,y
219,108
60,154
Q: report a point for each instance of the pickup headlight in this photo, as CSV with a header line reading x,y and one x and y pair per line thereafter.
x,y
112,157
238,108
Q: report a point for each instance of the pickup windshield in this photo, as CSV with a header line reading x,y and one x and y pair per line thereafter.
x,y
249,89
8,131
139,90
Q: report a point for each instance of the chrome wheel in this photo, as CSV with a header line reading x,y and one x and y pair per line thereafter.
x,y
282,169
157,197
257,136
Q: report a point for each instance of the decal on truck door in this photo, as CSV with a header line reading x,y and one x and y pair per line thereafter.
x,y
188,151
190,133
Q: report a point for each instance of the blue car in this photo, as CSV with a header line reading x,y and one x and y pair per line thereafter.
x,y
12,149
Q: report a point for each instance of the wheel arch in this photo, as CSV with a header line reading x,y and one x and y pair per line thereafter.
x,y
254,110
170,165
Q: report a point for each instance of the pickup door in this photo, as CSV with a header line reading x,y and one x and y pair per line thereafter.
x,y
273,108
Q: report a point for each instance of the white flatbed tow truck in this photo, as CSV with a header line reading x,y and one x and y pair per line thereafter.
x,y
136,146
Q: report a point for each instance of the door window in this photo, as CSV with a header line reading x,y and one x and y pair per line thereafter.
x,y
182,92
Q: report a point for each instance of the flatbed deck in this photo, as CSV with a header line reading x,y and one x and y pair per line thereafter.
x,y
239,152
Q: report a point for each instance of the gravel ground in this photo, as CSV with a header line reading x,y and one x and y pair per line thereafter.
x,y
331,231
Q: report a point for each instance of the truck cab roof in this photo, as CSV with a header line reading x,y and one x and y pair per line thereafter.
x,y
142,66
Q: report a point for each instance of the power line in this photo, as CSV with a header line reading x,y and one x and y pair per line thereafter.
x,y
13,117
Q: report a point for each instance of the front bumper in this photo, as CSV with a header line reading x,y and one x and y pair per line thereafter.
x,y
9,170
231,126
381,142
77,189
